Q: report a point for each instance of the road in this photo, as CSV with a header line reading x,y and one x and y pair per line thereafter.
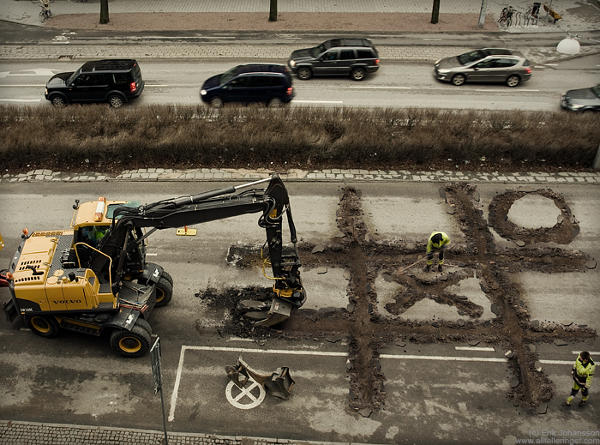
x,y
397,84
459,386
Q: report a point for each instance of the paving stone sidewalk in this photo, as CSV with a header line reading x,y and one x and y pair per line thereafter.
x,y
326,175
29,433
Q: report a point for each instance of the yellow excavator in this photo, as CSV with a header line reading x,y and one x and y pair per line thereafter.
x,y
94,278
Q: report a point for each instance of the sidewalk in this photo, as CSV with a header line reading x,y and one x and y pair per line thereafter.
x,y
295,15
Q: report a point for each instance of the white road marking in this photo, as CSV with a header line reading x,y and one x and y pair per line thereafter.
x,y
177,381
591,352
20,100
379,88
318,101
445,358
151,254
556,362
551,64
474,348
245,392
432,39
33,72
326,354
24,86
504,91
158,85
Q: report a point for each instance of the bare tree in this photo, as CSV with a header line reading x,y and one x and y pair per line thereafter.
x,y
104,12
273,11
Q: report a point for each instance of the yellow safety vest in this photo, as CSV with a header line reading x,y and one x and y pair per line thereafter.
x,y
437,246
584,373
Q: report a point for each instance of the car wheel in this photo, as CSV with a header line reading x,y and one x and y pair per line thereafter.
x,y
275,103
513,80
134,343
358,74
458,80
164,292
304,73
43,326
216,102
58,101
115,101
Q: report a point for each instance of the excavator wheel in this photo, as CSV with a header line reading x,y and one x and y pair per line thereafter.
x,y
43,326
134,343
167,276
164,291
144,324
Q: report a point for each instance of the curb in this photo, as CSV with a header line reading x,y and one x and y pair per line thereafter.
x,y
325,175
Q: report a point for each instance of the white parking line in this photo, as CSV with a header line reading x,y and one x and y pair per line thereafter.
x,y
23,85
474,348
174,395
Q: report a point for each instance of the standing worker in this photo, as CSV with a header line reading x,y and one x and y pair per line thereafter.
x,y
437,243
583,373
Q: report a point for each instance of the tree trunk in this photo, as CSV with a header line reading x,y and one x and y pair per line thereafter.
x,y
273,11
104,12
435,13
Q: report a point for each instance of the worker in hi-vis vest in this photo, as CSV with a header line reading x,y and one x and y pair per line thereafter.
x,y
583,373
437,243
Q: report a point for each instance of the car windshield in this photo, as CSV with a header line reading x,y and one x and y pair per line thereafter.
x,y
472,56
596,90
319,49
73,76
228,75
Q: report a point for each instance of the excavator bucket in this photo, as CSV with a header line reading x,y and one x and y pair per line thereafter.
x,y
278,383
279,312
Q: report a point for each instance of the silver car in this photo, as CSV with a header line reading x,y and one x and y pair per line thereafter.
x,y
583,99
498,65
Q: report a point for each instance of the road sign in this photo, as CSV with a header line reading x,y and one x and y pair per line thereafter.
x,y
155,357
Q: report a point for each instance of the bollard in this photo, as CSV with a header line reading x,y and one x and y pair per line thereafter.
x,y
597,160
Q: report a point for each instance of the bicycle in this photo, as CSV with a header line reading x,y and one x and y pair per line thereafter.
x,y
506,15
45,13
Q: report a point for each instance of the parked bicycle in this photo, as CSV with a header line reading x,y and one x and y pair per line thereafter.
x,y
45,13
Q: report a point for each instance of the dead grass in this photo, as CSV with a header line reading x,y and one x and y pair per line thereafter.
x,y
93,137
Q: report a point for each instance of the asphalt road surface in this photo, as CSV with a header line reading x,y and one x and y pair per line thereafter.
x,y
396,84
435,391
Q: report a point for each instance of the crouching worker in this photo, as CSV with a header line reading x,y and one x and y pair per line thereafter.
x,y
437,243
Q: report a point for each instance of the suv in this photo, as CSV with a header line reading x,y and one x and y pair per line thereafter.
x,y
254,82
355,57
498,65
114,81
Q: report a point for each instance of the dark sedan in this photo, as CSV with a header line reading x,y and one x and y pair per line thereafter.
x,y
583,99
498,65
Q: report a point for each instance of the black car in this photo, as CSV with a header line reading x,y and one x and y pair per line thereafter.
x,y
583,99
270,84
354,57
114,81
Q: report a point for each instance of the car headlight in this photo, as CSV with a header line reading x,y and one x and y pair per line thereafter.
x,y
46,92
437,62
574,106
292,63
202,92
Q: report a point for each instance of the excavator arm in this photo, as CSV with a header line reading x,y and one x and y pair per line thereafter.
x,y
123,243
